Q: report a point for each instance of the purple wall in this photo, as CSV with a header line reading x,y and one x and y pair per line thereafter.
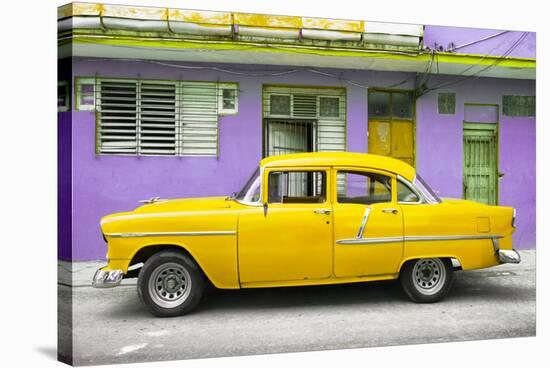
x,y
439,147
64,185
107,184
499,45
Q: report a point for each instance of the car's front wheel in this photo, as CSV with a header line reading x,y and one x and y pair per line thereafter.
x,y
170,284
427,280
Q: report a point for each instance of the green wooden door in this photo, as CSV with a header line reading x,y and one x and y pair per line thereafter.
x,y
480,169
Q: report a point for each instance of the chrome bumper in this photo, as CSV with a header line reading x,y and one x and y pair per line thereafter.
x,y
508,256
107,278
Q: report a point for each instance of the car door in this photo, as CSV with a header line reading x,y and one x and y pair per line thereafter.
x,y
290,237
368,223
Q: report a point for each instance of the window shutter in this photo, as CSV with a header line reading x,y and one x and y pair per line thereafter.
x,y
118,116
157,118
332,123
199,119
304,106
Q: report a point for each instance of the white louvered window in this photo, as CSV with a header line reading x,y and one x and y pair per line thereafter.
x,y
304,105
199,118
146,117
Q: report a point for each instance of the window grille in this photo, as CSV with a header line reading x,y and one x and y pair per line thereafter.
x,y
519,106
446,103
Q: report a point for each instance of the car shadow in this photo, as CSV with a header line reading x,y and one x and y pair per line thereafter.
x,y
307,296
363,294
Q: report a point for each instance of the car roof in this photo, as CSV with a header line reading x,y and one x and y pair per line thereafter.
x,y
365,160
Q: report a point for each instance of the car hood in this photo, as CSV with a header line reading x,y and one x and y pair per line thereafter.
x,y
172,205
185,204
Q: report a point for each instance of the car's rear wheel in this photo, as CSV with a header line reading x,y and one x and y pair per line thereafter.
x,y
170,284
427,280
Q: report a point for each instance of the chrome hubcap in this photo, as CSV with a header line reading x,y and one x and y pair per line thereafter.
x,y
169,285
429,275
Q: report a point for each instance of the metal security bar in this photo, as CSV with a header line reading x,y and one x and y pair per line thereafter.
x,y
157,117
289,136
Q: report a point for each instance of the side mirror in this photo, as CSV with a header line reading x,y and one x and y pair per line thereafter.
x,y
265,209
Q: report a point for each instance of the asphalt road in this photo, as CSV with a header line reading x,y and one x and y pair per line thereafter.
x,y
111,326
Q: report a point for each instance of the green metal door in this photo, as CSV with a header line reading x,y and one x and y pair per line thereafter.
x,y
480,162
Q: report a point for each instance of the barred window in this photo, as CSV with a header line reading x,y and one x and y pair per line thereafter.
x,y
85,94
446,103
303,119
63,96
329,107
228,99
147,117
519,106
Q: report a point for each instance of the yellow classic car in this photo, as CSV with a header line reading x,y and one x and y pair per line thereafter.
x,y
305,219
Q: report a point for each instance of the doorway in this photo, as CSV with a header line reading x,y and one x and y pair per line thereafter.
x,y
480,158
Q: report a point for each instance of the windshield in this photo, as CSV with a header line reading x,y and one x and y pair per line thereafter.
x,y
251,190
428,193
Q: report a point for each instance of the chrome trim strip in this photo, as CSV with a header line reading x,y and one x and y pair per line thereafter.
x,y
450,237
359,241
363,223
411,186
175,233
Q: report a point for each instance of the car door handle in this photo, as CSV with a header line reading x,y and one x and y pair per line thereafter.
x,y
322,212
390,210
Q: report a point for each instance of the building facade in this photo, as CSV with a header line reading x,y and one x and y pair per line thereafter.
x,y
179,103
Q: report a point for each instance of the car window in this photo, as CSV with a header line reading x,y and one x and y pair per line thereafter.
x,y
405,194
250,193
363,187
297,187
